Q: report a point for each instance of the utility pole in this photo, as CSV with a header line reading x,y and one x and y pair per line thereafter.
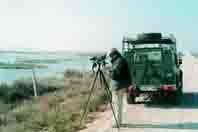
x,y
34,82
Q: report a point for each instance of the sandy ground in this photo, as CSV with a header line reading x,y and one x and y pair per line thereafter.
x,y
159,118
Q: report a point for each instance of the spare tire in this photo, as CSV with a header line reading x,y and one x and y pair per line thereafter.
x,y
149,36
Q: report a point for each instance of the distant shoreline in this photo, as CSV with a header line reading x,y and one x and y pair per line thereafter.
x,y
84,53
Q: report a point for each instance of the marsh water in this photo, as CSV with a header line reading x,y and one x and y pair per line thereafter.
x,y
56,64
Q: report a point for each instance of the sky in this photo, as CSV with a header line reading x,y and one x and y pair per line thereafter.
x,y
93,25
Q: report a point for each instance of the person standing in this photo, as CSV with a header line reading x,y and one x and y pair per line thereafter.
x,y
120,81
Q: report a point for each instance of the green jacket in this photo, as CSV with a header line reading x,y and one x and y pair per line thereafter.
x,y
120,74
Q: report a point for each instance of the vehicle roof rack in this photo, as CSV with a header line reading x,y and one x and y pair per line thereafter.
x,y
163,40
131,43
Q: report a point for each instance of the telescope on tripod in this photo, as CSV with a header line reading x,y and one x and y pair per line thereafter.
x,y
99,63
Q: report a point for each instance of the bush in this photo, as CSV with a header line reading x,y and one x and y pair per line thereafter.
x,y
23,89
4,89
23,113
55,120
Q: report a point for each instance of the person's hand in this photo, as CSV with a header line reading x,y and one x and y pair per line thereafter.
x,y
130,88
110,73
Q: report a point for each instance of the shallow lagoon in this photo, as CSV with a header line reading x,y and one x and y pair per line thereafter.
x,y
56,64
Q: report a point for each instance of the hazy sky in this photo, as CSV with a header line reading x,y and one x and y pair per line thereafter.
x,y
93,24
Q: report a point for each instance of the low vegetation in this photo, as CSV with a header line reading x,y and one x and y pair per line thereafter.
x,y
22,89
36,61
20,66
43,61
58,111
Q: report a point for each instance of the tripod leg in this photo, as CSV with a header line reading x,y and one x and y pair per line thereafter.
x,y
109,97
89,97
102,83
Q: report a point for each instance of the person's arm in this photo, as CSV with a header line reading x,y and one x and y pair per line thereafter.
x,y
117,69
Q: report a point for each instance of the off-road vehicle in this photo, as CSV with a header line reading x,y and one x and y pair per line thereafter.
x,y
154,67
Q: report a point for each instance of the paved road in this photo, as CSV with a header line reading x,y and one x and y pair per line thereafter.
x,y
162,118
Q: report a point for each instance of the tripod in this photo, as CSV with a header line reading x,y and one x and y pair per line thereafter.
x,y
104,83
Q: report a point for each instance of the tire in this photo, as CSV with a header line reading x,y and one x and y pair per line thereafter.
x,y
130,99
171,98
149,36
181,81
176,98
180,90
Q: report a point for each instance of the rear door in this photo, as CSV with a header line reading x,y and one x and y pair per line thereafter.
x,y
147,69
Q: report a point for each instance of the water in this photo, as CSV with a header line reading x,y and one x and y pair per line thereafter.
x,y
67,61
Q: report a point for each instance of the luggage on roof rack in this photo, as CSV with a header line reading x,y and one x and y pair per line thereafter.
x,y
149,36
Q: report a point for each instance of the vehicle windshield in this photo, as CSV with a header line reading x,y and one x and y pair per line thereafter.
x,y
147,56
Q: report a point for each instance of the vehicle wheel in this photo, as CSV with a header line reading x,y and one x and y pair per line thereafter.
x,y
180,91
181,82
130,99
175,98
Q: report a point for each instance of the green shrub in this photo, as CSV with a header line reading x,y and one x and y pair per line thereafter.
x,y
4,89
20,90
23,89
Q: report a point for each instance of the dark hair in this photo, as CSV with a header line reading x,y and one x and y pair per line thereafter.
x,y
115,52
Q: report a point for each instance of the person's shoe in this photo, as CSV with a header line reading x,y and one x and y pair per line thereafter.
x,y
116,126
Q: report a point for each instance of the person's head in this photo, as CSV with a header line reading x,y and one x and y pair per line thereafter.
x,y
114,53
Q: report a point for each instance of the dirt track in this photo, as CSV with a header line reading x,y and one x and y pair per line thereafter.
x,y
160,118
